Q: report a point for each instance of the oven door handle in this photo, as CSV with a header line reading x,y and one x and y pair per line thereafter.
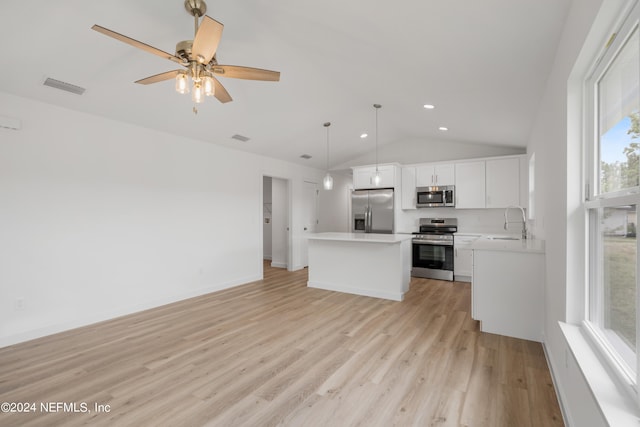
x,y
432,242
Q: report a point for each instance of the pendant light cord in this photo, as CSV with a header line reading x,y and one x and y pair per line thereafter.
x,y
327,124
377,107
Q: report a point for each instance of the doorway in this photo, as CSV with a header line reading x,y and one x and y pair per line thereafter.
x,y
275,221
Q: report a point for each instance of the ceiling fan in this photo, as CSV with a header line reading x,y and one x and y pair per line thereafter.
x,y
198,56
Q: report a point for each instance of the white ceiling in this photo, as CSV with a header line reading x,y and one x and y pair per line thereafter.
x,y
483,64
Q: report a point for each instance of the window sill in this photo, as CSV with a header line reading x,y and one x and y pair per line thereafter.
x,y
614,403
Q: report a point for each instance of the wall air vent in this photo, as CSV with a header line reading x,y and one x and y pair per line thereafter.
x,y
240,138
305,156
68,87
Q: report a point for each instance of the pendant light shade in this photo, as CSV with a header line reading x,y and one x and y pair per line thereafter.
x,y
376,180
327,182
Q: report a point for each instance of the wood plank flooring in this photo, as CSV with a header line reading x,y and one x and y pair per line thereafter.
x,y
276,353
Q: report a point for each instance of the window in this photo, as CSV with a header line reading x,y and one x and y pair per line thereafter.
x,y
613,180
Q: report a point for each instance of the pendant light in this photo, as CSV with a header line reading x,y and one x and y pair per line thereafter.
x,y
377,179
328,180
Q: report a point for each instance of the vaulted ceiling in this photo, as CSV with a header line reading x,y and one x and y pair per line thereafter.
x,y
483,64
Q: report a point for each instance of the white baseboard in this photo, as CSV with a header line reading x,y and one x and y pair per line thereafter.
x,y
560,394
395,296
100,317
278,264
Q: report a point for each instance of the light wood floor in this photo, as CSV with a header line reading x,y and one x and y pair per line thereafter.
x,y
275,352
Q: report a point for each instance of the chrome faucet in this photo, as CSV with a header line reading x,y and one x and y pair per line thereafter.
x,y
524,219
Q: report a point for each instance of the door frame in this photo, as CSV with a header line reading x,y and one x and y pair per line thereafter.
x,y
288,207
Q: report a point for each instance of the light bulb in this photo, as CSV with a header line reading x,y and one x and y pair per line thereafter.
x,y
327,182
182,83
208,86
197,95
377,179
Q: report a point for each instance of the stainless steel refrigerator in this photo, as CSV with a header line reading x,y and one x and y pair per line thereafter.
x,y
372,211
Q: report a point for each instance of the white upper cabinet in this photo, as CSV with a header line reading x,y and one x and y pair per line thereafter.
x,y
363,176
470,190
408,187
503,182
430,175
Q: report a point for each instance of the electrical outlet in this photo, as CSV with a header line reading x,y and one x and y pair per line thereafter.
x,y
19,304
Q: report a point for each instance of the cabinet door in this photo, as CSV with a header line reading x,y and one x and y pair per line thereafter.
x,y
408,188
388,175
444,174
425,176
470,185
463,255
462,265
503,182
429,175
362,177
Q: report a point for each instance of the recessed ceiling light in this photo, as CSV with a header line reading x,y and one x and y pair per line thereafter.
x,y
442,128
363,136
429,106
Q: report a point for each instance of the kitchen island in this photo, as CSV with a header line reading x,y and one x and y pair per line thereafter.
x,y
375,265
507,292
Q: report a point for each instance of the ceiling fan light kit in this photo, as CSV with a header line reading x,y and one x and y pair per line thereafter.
x,y
198,56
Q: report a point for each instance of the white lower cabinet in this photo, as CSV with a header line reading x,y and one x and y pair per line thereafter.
x,y
463,257
507,293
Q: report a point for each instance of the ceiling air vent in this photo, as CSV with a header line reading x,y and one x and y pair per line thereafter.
x,y
68,87
240,138
306,156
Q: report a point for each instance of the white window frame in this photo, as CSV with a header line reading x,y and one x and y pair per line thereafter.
x,y
614,355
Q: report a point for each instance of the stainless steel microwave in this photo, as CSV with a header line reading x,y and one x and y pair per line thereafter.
x,y
435,197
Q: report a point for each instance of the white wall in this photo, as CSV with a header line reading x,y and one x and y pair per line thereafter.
x,y
101,218
557,199
334,205
267,218
489,221
423,151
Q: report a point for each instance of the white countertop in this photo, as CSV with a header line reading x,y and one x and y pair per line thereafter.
x,y
495,243
361,237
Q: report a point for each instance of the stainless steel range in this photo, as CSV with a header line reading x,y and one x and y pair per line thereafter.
x,y
433,248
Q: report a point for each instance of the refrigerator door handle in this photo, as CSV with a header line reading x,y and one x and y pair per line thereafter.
x,y
366,219
370,219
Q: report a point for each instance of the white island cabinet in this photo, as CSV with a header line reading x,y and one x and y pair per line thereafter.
x,y
507,291
375,265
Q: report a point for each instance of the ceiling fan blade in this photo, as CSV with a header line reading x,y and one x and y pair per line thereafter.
x,y
159,77
206,40
247,73
220,92
136,43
